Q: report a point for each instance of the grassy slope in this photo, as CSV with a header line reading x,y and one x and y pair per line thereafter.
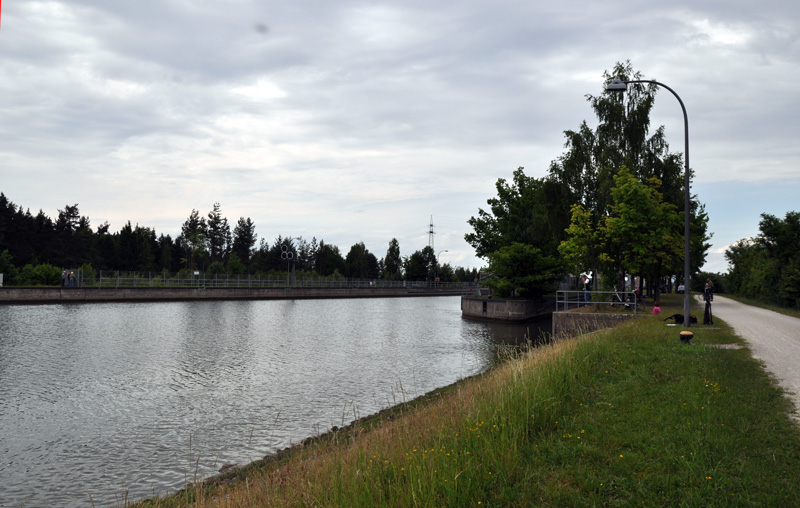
x,y
625,417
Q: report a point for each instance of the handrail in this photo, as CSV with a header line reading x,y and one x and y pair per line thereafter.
x,y
577,298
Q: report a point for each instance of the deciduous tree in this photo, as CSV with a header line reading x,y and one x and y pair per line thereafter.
x,y
522,270
524,211
421,265
329,259
643,234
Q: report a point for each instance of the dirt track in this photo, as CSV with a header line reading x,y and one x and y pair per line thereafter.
x,y
774,338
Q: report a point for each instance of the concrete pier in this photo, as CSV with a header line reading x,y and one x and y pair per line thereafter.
x,y
505,310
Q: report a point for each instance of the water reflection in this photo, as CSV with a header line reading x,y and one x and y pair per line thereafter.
x,y
137,398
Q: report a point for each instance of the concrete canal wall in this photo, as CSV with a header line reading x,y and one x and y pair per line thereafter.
x,y
500,309
92,295
565,323
571,324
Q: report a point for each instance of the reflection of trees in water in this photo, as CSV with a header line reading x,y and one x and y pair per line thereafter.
x,y
497,342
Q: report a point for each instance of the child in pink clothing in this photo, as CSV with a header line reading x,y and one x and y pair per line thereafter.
x,y
656,309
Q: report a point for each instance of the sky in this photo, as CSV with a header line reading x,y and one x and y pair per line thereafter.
x,y
363,121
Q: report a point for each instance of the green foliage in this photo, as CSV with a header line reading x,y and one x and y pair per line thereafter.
x,y
244,239
528,210
218,235
87,272
193,234
8,269
462,274
589,168
583,245
70,241
619,221
393,263
621,138
421,265
698,237
527,221
446,273
136,252
790,289
40,275
235,266
521,270
329,260
767,268
718,280
216,268
641,234
357,262
644,231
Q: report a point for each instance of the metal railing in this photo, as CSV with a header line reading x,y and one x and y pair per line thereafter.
x,y
573,299
106,279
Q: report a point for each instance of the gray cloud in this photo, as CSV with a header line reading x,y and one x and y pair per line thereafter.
x,y
354,121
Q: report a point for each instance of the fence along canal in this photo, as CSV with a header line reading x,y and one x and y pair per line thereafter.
x,y
106,279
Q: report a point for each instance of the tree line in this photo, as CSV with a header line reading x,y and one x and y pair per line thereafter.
x,y
612,204
34,249
767,266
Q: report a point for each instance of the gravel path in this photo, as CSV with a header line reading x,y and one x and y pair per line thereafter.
x,y
774,338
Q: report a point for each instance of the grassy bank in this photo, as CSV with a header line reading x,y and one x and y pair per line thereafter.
x,y
624,417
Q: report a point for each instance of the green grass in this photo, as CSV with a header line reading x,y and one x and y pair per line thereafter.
x,y
623,417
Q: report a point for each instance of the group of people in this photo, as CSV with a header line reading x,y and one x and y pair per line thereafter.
x,y
708,297
68,279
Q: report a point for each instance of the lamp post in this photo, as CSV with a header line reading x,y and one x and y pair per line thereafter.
x,y
618,85
288,254
437,265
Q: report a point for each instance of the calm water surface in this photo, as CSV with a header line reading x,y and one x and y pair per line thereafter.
x,y
116,400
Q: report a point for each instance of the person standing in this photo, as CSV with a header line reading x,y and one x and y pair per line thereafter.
x,y
708,296
586,295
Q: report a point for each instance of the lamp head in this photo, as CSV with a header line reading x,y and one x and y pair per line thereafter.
x,y
617,85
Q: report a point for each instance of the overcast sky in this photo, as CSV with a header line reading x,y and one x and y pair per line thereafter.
x,y
357,121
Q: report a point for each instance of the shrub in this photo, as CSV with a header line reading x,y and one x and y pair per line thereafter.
x,y
8,269
40,275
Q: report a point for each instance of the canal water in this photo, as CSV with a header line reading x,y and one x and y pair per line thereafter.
x,y
103,403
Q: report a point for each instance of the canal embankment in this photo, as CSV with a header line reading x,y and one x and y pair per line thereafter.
x,y
572,322
621,416
45,295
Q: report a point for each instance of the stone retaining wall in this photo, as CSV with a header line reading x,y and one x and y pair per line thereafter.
x,y
571,324
93,295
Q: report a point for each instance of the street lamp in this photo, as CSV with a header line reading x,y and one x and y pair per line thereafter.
x,y
618,85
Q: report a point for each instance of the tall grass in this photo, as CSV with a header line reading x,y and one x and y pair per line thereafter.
x,y
624,417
